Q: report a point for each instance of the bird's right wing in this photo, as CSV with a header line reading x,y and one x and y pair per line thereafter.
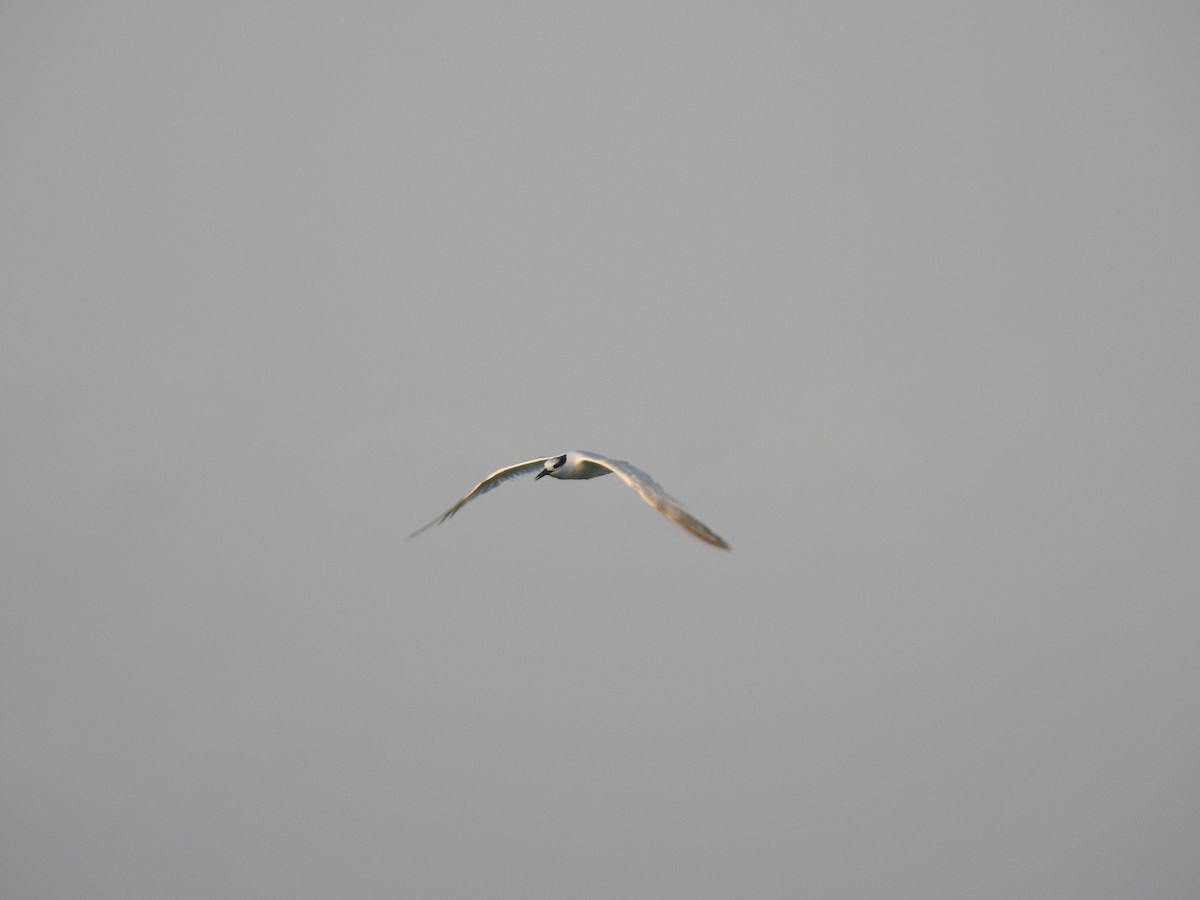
x,y
651,491
496,478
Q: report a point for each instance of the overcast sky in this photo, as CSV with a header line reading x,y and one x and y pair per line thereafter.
x,y
902,299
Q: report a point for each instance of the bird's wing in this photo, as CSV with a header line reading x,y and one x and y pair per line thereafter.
x,y
653,494
497,477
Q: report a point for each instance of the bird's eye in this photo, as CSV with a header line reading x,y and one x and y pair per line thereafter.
x,y
558,462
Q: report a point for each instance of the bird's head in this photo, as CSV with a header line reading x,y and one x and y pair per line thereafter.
x,y
550,466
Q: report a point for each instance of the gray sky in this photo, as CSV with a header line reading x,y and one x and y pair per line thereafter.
x,y
901,299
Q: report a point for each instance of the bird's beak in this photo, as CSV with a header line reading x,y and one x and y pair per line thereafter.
x,y
541,473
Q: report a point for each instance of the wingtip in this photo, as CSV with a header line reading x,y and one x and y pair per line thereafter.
x,y
423,529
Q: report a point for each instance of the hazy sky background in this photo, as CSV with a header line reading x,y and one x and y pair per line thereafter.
x,y
902,299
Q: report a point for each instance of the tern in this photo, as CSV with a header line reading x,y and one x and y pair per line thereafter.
x,y
579,464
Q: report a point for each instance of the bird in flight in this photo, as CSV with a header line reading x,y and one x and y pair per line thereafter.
x,y
578,464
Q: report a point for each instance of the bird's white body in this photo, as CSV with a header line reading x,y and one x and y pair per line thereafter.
x,y
582,464
578,466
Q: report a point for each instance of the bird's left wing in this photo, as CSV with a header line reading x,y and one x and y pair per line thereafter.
x,y
497,477
652,492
